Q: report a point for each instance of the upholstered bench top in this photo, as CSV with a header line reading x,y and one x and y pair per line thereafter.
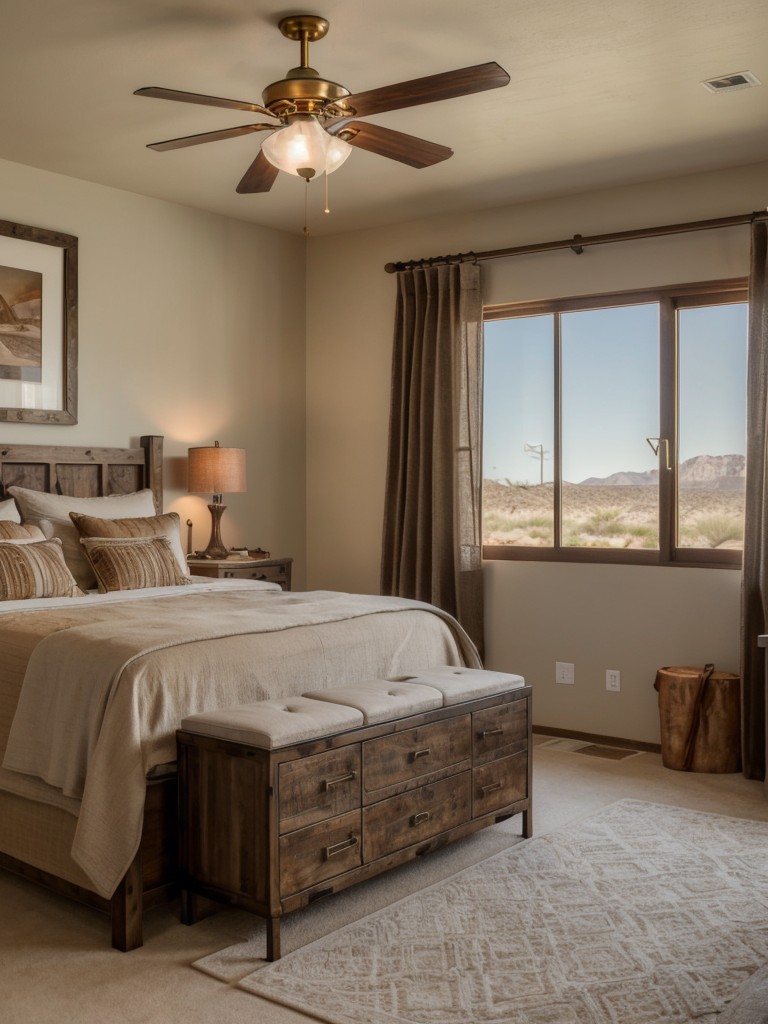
x,y
459,684
274,723
380,700
271,724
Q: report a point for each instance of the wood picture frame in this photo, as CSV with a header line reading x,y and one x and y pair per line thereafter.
x,y
38,325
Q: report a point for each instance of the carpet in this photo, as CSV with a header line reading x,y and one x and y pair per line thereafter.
x,y
640,914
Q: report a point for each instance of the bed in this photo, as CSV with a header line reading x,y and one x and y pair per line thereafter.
x,y
93,685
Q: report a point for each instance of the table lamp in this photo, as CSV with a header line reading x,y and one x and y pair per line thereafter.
x,y
215,470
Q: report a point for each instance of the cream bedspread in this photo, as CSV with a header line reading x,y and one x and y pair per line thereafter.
x,y
101,699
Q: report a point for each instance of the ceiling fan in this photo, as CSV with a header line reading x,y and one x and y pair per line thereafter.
x,y
314,121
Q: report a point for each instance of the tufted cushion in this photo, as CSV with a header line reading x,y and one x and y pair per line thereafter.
x,y
27,533
459,684
269,724
381,700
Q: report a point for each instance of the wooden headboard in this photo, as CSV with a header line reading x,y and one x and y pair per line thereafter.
x,y
84,472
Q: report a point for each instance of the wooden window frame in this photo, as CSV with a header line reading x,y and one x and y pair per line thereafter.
x,y
670,298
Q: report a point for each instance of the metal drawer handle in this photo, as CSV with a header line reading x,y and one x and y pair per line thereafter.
x,y
491,732
328,783
416,754
419,819
347,844
490,788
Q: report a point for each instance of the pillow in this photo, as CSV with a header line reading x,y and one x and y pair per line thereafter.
x,y
51,513
35,570
168,525
9,511
133,563
27,533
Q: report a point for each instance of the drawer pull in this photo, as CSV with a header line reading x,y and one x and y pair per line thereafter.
x,y
490,788
347,844
491,732
329,783
416,754
419,819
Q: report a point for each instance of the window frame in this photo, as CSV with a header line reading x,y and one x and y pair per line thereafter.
x,y
670,298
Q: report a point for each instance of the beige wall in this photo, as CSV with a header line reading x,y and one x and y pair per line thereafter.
x,y
634,619
191,326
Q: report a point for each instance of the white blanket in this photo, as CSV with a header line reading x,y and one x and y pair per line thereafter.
x,y
101,701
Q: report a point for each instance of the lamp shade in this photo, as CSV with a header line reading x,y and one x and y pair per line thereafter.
x,y
216,470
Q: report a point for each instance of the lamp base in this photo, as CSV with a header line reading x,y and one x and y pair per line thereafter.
x,y
215,547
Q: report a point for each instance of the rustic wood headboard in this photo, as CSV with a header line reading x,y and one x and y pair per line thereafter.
x,y
84,472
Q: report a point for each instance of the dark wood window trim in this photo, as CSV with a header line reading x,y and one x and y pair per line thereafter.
x,y
671,298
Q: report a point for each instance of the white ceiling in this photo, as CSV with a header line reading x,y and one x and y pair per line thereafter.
x,y
602,92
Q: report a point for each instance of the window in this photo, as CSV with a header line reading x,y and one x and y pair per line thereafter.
x,y
614,427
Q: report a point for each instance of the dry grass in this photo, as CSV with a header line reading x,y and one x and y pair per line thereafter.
x,y
616,517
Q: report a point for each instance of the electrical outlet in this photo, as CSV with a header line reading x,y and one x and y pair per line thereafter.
x,y
564,672
613,680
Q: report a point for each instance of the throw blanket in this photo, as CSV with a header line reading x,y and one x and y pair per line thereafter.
x,y
101,701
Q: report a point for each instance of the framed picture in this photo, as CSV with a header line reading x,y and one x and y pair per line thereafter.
x,y
38,325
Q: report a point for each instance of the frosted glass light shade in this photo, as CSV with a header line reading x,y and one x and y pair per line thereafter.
x,y
305,149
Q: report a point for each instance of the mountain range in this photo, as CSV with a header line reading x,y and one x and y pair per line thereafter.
x,y
708,472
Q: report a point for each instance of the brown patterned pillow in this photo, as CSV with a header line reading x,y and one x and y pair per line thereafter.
x,y
133,563
26,533
167,525
35,570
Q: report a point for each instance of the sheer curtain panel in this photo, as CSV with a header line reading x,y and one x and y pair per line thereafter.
x,y
754,603
432,540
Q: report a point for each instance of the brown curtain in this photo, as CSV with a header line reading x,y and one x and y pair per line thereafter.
x,y
432,534
754,594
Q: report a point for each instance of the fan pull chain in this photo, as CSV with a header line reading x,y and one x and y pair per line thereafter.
x,y
327,208
306,207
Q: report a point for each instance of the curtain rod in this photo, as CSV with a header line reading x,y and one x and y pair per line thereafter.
x,y
576,243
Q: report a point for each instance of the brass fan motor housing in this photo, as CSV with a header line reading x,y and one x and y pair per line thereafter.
x,y
302,91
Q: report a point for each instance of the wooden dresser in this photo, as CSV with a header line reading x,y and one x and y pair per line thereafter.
x,y
273,570
274,830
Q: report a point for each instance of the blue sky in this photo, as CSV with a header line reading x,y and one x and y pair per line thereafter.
x,y
610,390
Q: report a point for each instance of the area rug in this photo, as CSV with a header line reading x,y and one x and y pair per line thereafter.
x,y
640,914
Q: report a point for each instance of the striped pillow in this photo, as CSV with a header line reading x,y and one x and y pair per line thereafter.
x,y
35,570
133,563
167,525
27,533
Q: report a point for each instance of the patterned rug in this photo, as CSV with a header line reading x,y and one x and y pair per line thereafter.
x,y
640,914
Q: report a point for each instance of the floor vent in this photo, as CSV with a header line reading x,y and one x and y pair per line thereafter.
x,y
590,749
729,83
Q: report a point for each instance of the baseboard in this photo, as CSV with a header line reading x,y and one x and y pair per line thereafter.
x,y
591,737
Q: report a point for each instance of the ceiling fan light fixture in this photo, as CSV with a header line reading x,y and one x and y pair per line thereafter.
x,y
305,148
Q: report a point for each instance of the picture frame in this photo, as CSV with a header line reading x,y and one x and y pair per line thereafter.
x,y
38,325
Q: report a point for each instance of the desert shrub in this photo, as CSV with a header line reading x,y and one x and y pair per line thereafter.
x,y
717,530
605,522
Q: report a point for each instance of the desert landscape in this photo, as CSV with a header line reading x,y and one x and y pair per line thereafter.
x,y
606,513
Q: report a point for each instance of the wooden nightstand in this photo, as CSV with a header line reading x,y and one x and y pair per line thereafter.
x,y
273,570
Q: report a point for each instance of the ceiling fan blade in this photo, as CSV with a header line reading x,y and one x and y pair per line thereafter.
x,y
445,86
395,145
196,140
159,93
260,176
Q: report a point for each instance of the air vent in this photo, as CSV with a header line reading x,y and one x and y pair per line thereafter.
x,y
729,83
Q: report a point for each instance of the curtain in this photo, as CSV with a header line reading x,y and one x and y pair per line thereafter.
x,y
754,595
432,543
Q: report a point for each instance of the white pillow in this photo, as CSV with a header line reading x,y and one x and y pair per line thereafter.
x,y
9,511
51,513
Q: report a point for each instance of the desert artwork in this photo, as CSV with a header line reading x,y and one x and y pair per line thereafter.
x,y
21,294
621,510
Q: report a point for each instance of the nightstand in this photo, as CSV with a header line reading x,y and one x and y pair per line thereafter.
x,y
273,570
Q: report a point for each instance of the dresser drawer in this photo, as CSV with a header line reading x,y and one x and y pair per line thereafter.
x,y
500,731
311,789
412,817
313,854
499,783
391,760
